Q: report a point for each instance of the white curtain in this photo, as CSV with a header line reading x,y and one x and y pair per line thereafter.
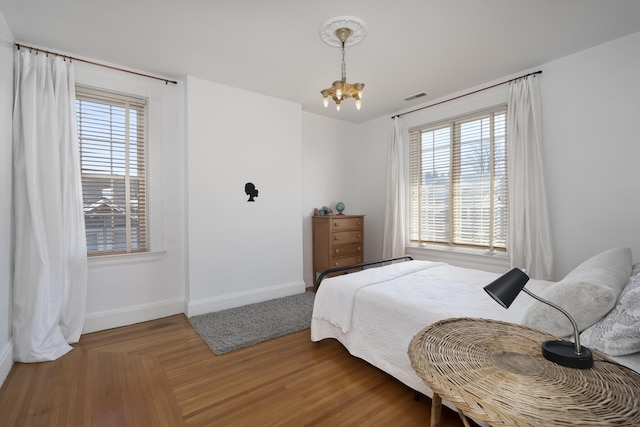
x,y
50,264
394,238
529,241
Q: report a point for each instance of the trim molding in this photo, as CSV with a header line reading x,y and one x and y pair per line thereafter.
x,y
141,313
223,302
129,315
6,361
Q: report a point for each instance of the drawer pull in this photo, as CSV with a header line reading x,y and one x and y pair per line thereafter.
x,y
335,238
337,251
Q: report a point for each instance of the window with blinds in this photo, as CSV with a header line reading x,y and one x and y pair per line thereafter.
x,y
458,181
111,134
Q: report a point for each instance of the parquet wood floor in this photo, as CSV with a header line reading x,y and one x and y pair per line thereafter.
x,y
160,373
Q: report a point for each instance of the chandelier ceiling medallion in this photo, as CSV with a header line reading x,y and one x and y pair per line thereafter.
x,y
342,32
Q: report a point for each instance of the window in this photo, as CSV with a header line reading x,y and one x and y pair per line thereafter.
x,y
111,134
458,181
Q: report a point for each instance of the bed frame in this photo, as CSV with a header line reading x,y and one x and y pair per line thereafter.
x,y
358,266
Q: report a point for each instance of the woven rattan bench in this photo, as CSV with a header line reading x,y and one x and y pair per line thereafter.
x,y
494,372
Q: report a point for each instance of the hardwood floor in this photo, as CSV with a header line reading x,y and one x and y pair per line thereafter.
x,y
160,373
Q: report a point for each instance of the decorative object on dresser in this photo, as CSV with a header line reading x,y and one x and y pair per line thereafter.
x,y
337,241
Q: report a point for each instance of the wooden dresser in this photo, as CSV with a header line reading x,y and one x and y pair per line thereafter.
x,y
337,241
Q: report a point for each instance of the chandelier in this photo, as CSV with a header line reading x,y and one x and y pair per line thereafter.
x,y
340,32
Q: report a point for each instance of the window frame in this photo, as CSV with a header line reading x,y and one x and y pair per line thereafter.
x,y
140,104
415,132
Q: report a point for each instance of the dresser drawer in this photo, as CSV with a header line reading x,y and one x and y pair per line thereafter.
x,y
347,250
342,261
339,224
346,237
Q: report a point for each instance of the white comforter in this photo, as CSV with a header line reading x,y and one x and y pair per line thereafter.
x,y
376,312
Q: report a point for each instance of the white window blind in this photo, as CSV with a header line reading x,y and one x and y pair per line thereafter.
x,y
458,181
111,134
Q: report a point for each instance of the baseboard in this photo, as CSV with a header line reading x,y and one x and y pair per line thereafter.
x,y
6,361
129,315
223,302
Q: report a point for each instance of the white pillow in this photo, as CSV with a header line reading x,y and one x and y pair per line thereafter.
x,y
636,268
611,268
587,293
618,333
585,302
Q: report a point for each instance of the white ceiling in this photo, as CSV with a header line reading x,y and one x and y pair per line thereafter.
x,y
273,46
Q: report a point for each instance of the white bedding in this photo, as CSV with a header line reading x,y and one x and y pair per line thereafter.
x,y
376,312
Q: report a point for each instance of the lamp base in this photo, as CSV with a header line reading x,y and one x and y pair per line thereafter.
x,y
564,353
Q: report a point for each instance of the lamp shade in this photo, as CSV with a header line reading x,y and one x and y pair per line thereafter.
x,y
507,287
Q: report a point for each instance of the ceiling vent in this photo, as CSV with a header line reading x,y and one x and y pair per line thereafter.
x,y
416,96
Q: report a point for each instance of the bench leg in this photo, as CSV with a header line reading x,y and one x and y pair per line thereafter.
x,y
436,410
464,419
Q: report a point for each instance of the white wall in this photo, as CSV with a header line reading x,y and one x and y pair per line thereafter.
x,y
329,171
373,145
6,208
133,288
591,110
242,252
591,150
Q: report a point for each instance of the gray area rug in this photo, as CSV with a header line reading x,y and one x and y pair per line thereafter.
x,y
235,328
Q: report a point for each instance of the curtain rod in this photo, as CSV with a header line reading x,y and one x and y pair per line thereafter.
x,y
166,81
470,93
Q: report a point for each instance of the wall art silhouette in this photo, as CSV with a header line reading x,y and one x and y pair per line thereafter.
x,y
251,191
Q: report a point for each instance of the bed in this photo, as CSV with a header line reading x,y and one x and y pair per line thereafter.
x,y
376,312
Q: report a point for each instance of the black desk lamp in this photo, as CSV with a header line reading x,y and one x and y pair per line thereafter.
x,y
507,287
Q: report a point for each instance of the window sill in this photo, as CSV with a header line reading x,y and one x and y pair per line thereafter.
x,y
479,259
120,259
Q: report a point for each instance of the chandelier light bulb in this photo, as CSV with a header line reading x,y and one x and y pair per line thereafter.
x,y
358,104
325,101
338,105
